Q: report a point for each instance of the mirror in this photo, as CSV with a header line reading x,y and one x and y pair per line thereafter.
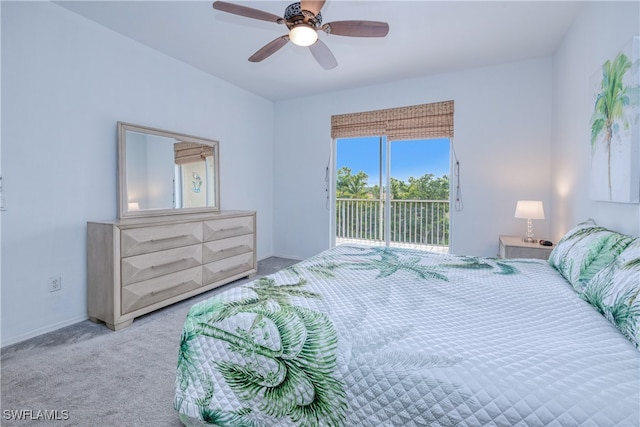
x,y
161,172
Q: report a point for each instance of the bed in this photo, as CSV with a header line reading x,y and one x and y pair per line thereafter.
x,y
374,336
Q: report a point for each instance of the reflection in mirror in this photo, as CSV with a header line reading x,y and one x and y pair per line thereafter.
x,y
193,163
163,172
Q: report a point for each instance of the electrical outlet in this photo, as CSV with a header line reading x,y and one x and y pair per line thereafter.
x,y
55,283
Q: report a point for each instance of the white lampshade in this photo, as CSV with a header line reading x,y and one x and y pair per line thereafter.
x,y
303,35
529,209
134,206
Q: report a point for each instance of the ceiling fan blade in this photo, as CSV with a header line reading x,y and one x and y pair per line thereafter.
x,y
248,12
312,6
357,28
323,55
269,49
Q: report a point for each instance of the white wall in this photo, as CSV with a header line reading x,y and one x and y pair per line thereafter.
x,y
598,33
65,83
502,139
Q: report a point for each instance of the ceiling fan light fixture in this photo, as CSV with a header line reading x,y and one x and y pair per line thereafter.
x,y
303,35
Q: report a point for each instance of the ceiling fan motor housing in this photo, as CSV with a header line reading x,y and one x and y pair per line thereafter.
x,y
294,14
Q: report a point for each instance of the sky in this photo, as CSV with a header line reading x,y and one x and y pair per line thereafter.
x,y
408,158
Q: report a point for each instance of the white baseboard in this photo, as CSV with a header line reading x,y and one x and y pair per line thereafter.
x,y
41,331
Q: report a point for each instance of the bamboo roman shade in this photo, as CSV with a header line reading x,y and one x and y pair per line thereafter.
x,y
415,122
190,152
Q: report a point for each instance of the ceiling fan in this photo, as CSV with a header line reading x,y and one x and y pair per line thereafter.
x,y
304,20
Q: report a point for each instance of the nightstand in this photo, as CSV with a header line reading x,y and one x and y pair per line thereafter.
x,y
514,247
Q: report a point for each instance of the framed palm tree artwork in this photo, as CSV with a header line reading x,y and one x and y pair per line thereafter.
x,y
615,127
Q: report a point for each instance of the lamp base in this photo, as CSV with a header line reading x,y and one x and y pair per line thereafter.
x,y
529,240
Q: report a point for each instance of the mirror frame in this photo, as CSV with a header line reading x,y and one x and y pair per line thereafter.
x,y
123,206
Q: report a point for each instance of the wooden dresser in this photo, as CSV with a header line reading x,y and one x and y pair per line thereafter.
x,y
136,266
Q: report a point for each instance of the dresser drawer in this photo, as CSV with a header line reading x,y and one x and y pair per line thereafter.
x,y
225,248
142,240
142,294
142,267
228,227
219,270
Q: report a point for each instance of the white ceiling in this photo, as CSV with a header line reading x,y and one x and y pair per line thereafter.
x,y
425,37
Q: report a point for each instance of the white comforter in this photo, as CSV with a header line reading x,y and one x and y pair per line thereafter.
x,y
360,336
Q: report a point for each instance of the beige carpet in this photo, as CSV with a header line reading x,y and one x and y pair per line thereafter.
x,y
86,375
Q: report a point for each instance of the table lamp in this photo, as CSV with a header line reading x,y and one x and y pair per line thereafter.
x,y
529,210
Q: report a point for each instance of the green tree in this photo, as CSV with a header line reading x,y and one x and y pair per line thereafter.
x,y
428,187
609,105
351,186
398,189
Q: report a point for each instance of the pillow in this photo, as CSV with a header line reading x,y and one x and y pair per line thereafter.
x,y
585,250
614,292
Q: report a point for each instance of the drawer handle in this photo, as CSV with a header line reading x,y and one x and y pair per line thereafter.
x,y
165,239
230,229
233,248
163,290
170,263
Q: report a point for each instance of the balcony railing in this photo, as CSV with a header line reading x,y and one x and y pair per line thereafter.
x,y
423,224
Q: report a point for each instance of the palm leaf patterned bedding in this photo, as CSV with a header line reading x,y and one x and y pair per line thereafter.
x,y
366,336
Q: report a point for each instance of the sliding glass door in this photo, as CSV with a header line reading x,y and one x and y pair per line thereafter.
x,y
392,193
